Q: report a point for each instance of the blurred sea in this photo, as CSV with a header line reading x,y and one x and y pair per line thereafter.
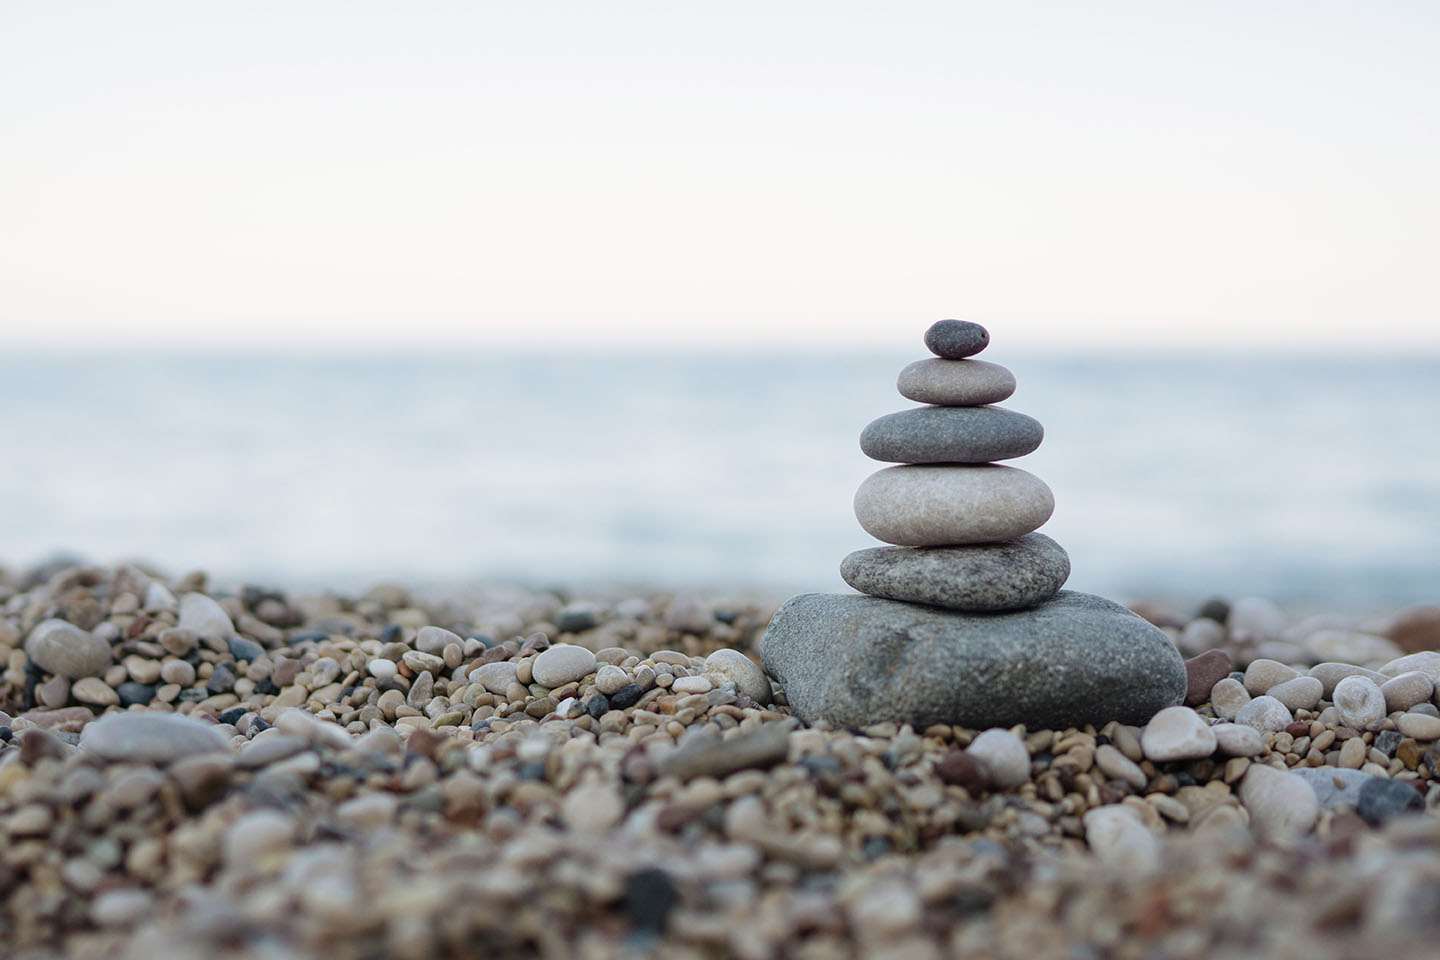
x,y
1311,479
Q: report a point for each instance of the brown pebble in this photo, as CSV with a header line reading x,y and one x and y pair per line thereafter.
x,y
959,769
1202,673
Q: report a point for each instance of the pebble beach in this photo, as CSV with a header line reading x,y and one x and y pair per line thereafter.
x,y
189,771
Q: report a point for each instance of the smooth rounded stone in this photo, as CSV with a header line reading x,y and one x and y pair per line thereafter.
x,y
1202,673
980,579
610,678
157,738
1002,756
939,506
1330,674
1282,806
1417,725
1120,840
495,677
1077,659
382,669
1427,662
692,685
204,617
1301,693
1177,733
1117,766
1238,740
94,691
121,907
951,435
956,339
1262,674
1359,702
1228,697
1406,690
61,648
1265,714
747,675
1383,799
561,664
433,640
955,383
1334,787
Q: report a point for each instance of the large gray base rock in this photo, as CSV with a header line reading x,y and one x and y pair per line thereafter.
x,y
986,578
855,660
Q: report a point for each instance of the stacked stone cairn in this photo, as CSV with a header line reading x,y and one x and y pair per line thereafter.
x,y
963,620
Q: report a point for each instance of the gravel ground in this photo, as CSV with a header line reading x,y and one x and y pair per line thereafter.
x,y
521,773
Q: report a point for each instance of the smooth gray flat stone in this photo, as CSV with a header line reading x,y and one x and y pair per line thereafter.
x,y
956,339
955,383
1335,787
946,505
988,578
951,435
1077,659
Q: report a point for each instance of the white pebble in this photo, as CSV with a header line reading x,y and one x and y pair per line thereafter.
x,y
1360,703
1238,740
1300,693
1406,690
691,685
1263,674
1003,757
1228,697
382,669
610,678
747,675
1120,840
1265,714
1281,805
562,664
1177,733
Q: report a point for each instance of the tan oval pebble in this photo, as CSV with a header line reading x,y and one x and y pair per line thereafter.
x,y
94,691
1421,726
1299,693
921,505
1263,674
955,383
1330,674
1228,697
747,675
1406,690
61,648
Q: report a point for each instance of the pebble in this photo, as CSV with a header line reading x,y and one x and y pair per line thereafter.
x,y
956,339
1265,714
747,675
1228,697
1002,756
1263,674
1406,690
121,907
257,835
982,578
1116,765
94,691
1200,635
203,617
1202,673
383,669
691,685
1330,674
157,738
1120,840
1177,733
1382,799
1301,693
1360,703
562,664
1417,725
1282,806
933,506
855,660
61,648
955,383
1238,740
951,435
1426,662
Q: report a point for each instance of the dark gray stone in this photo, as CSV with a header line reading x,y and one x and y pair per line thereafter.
x,y
988,578
951,435
1078,659
1382,799
956,339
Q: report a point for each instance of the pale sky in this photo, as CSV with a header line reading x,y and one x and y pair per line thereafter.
x,y
356,173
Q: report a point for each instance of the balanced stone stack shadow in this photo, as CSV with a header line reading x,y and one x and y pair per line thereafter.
x,y
964,620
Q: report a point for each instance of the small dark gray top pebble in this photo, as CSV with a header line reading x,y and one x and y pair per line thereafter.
x,y
956,339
